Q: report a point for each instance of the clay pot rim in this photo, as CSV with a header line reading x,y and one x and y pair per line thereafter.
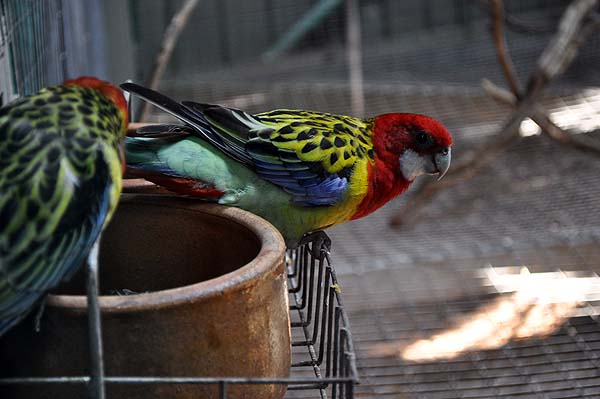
x,y
269,257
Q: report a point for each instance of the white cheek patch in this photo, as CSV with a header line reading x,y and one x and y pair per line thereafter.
x,y
413,165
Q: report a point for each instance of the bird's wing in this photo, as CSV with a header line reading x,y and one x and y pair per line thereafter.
x,y
55,195
308,154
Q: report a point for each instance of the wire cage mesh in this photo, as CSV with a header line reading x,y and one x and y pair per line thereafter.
x,y
46,42
24,54
528,221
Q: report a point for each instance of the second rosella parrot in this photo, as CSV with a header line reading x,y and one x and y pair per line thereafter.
x,y
302,171
61,164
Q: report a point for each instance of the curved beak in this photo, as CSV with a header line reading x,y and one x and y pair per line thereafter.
x,y
442,161
413,164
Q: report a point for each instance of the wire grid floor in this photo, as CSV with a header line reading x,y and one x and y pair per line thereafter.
x,y
406,305
564,365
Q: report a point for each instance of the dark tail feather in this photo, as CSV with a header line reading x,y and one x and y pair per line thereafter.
x,y
200,107
161,131
185,114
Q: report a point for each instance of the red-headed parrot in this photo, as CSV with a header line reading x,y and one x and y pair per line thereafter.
x,y
303,171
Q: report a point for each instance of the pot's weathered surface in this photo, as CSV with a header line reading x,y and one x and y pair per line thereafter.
x,y
229,316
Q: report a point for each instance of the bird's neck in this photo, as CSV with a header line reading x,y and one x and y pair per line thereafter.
x,y
385,183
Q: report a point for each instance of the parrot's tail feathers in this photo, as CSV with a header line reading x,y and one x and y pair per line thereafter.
x,y
199,107
175,132
191,117
167,104
142,152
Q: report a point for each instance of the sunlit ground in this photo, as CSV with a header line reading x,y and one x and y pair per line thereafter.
x,y
533,305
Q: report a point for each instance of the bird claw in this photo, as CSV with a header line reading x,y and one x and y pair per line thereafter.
x,y
321,243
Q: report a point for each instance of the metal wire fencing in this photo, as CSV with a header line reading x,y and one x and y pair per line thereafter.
x,y
45,42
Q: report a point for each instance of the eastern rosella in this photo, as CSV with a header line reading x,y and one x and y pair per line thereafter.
x,y
61,164
302,171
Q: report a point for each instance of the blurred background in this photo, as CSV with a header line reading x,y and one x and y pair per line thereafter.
x,y
486,288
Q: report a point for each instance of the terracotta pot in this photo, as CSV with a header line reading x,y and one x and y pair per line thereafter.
x,y
212,302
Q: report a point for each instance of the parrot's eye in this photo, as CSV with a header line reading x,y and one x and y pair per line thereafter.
x,y
422,138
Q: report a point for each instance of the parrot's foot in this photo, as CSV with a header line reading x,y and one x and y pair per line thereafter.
x,y
37,322
321,243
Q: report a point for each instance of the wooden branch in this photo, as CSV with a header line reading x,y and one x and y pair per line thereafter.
x,y
573,29
497,17
576,24
178,22
541,116
554,131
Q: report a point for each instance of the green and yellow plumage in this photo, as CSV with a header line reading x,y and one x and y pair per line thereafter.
x,y
337,141
60,179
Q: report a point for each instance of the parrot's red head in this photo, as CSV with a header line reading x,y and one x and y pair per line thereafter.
x,y
416,143
405,146
111,91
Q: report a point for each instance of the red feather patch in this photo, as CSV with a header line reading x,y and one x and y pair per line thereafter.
x,y
384,184
180,185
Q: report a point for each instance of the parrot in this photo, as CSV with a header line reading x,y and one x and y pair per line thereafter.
x,y
303,171
61,166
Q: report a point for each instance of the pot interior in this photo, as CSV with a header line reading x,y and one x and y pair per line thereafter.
x,y
152,247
